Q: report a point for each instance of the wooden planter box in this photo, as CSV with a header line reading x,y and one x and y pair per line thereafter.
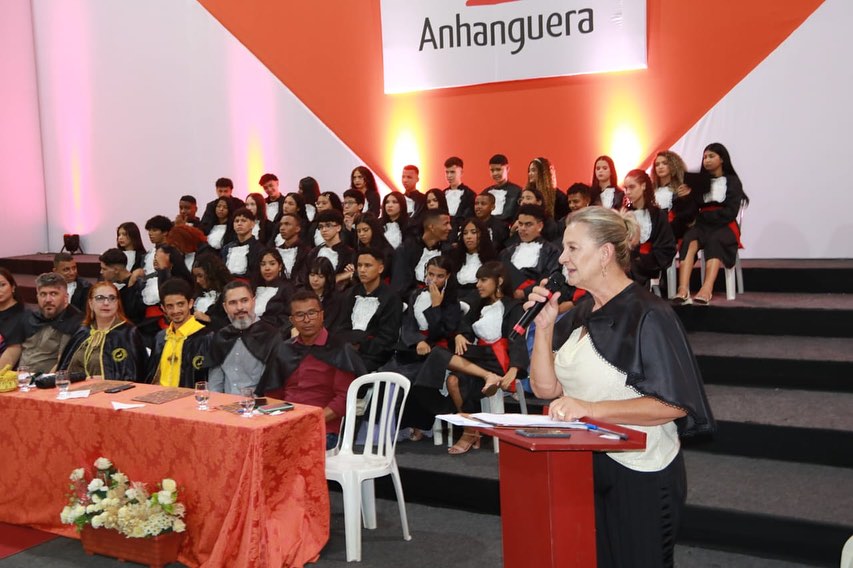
x,y
156,551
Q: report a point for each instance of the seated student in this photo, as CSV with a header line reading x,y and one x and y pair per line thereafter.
x,y
263,229
506,193
224,190
168,263
241,254
221,231
187,212
189,241
129,241
210,276
274,199
369,234
472,250
339,253
113,269
363,180
293,250
394,219
533,258
459,197
671,194
542,176
272,291
295,204
579,196
484,206
158,228
353,207
371,313
415,200
605,189
78,289
411,258
656,249
108,346
321,281
326,201
309,189
315,367
241,354
177,359
551,231
12,316
481,359
48,329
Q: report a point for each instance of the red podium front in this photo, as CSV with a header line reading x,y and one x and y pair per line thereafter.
x,y
547,504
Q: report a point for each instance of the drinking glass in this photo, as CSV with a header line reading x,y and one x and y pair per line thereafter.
x,y
201,395
62,383
247,401
24,378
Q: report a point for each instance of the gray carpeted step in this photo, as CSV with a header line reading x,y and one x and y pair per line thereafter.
x,y
839,349
782,407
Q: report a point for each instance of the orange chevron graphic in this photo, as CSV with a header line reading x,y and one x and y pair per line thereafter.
x,y
330,55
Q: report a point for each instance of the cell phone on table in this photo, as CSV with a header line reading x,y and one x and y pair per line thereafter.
x,y
277,407
120,388
543,433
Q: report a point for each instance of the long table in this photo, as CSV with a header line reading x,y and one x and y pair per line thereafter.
x,y
255,488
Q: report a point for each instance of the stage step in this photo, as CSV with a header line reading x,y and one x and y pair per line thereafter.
x,y
753,506
34,264
761,313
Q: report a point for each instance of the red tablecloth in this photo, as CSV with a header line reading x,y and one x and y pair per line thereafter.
x,y
255,489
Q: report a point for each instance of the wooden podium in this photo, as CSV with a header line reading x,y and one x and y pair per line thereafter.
x,y
547,503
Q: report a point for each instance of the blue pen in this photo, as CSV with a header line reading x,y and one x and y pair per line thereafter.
x,y
596,428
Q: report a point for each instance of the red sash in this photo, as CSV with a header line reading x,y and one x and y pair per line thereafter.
x,y
670,216
526,283
441,343
501,350
646,248
579,292
154,312
732,225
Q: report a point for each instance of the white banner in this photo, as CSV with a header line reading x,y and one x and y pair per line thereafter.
x,y
433,44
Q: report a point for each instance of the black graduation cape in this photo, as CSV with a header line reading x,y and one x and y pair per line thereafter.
x,y
513,192
192,357
376,343
639,334
124,354
67,322
650,265
290,353
549,256
261,340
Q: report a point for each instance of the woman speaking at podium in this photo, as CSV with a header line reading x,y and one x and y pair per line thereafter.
x,y
621,356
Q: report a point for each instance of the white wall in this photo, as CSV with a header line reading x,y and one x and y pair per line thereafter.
x,y
787,126
22,223
141,102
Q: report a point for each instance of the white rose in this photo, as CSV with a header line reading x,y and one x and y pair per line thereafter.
x,y
119,477
78,510
97,522
169,485
179,526
96,484
165,497
92,508
65,516
77,474
103,464
131,494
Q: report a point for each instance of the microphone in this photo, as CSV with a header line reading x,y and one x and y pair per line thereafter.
x,y
555,281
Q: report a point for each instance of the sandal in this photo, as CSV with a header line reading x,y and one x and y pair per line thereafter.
x,y
682,300
700,301
416,435
467,441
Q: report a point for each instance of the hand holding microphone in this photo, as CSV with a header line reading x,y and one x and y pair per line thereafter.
x,y
538,298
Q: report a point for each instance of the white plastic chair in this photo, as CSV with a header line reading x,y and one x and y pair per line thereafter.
x,y
734,276
355,472
847,554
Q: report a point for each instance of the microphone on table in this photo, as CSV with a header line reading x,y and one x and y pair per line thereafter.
x,y
555,282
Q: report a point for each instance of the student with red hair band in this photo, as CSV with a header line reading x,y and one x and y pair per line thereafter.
x,y
655,248
605,191
716,230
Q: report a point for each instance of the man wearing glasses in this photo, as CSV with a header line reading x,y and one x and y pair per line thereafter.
x,y
315,368
330,222
49,329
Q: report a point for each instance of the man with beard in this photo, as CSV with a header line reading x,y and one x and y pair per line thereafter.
x,y
241,354
48,330
315,367
177,359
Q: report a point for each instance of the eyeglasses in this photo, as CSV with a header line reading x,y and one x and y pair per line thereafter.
x,y
305,316
105,299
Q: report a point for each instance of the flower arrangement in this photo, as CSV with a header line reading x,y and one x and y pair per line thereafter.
x,y
110,500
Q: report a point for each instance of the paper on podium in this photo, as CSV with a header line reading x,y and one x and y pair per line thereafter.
x,y
491,420
125,406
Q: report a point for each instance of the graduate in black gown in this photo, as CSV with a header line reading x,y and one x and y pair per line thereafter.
x,y
533,258
656,246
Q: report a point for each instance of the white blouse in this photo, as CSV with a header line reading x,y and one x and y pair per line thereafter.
x,y
331,254
205,301
263,295
489,327
288,259
422,304
393,234
500,201
583,373
363,311
526,255
718,191
272,210
607,197
131,259
420,267
468,272
645,222
663,197
238,259
217,233
454,199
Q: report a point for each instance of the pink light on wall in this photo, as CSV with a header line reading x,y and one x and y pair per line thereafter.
x,y
65,89
252,115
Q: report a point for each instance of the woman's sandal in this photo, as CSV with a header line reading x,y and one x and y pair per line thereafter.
x,y
700,301
467,441
682,299
417,435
